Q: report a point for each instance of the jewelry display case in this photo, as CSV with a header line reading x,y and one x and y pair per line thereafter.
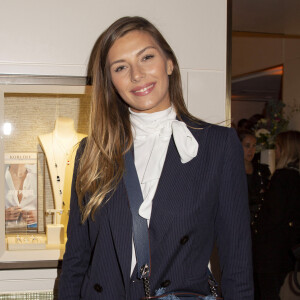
x,y
42,120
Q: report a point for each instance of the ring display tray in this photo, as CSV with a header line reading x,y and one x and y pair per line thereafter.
x,y
20,242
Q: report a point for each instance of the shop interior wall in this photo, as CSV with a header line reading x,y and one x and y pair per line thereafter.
x,y
56,37
291,81
253,53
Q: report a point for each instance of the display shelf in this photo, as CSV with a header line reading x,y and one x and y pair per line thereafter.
x,y
32,108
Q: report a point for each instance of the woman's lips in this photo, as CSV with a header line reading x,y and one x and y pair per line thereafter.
x,y
143,90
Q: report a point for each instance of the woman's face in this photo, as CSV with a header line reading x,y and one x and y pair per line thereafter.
x,y
139,72
249,146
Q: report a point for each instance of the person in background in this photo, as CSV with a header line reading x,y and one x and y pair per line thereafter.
x,y
278,225
244,124
257,174
254,119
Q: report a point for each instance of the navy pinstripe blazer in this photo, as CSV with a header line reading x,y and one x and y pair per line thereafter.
x,y
196,203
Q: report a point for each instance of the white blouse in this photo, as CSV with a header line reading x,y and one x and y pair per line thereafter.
x,y
151,134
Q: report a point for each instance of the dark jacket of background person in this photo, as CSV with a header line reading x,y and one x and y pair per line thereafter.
x,y
278,228
195,203
258,183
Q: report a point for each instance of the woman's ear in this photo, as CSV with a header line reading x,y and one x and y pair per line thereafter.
x,y
170,67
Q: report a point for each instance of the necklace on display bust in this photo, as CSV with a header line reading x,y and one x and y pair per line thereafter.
x,y
61,149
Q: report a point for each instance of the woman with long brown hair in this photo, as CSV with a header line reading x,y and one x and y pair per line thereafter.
x,y
191,176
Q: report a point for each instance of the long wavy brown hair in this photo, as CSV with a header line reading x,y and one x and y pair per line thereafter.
x,y
101,165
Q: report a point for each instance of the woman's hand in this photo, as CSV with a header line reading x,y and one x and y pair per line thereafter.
x,y
12,213
29,216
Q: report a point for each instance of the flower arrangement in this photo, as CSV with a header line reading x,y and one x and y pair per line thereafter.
x,y
268,128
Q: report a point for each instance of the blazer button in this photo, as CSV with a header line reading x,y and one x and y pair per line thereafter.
x,y
165,283
184,240
98,288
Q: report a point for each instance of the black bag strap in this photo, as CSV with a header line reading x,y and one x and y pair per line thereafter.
x,y
139,226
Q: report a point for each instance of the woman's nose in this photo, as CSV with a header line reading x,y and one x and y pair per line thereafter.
x,y
136,74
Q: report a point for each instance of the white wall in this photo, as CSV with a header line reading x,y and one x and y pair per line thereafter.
x,y
56,37
27,280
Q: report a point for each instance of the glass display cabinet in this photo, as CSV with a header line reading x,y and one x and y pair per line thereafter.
x,y
42,120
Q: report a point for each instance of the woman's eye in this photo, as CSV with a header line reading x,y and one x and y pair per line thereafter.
x,y
120,68
149,56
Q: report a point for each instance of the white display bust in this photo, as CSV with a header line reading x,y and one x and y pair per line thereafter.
x,y
57,146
